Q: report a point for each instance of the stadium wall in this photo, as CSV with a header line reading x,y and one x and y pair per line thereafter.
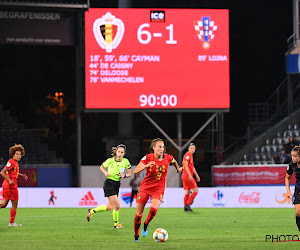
x,y
223,197
91,176
45,175
246,175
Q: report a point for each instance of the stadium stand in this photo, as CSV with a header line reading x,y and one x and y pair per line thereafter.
x,y
265,154
11,132
269,126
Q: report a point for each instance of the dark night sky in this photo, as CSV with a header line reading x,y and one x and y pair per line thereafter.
x,y
258,34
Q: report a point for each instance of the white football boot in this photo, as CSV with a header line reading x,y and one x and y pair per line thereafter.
x,y
14,225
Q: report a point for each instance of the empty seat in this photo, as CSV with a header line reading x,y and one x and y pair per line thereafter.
x,y
270,157
280,141
274,142
287,133
264,157
267,148
257,157
295,134
264,149
278,149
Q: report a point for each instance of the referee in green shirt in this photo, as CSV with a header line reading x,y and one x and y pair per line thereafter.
x,y
113,169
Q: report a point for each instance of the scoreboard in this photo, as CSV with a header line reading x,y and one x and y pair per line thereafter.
x,y
141,59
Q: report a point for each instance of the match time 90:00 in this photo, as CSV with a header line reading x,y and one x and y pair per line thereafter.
x,y
159,101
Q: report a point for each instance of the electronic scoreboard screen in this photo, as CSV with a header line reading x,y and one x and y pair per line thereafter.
x,y
144,59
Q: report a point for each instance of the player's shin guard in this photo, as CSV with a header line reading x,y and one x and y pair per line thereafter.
x,y
191,198
98,209
13,213
186,198
298,222
137,224
151,215
116,217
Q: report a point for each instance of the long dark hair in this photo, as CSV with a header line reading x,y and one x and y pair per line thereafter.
x,y
114,149
153,144
296,149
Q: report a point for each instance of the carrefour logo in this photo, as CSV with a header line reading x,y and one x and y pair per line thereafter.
x,y
218,195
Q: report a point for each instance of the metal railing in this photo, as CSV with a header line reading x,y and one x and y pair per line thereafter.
x,y
264,115
291,43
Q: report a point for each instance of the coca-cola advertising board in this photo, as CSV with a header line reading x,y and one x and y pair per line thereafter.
x,y
234,197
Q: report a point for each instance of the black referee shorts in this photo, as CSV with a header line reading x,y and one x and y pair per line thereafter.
x,y
296,199
111,187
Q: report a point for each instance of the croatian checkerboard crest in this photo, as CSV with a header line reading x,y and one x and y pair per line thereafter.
x,y
205,29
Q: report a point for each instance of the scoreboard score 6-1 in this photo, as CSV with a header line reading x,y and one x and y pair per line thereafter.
x,y
143,59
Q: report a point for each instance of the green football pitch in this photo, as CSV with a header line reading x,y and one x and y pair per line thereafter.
x,y
205,228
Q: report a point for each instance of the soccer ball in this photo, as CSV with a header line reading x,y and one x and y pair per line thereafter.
x,y
160,235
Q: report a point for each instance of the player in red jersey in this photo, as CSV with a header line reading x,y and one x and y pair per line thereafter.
x,y
153,185
10,174
189,183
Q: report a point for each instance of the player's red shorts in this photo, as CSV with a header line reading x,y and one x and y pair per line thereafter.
x,y
143,196
187,184
10,193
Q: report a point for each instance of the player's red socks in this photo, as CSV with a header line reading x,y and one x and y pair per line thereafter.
x,y
13,213
137,224
191,198
186,197
151,215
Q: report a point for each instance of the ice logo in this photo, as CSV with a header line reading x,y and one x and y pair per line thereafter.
x,y
108,31
205,31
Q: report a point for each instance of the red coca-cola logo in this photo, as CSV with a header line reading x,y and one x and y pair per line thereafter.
x,y
249,198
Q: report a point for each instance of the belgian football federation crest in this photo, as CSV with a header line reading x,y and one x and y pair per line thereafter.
x,y
205,31
108,31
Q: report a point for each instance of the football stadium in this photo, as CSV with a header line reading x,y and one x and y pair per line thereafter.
x,y
149,124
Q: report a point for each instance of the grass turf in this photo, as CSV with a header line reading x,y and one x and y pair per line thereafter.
x,y
205,228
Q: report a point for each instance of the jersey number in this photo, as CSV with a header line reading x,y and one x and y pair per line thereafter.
x,y
158,176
